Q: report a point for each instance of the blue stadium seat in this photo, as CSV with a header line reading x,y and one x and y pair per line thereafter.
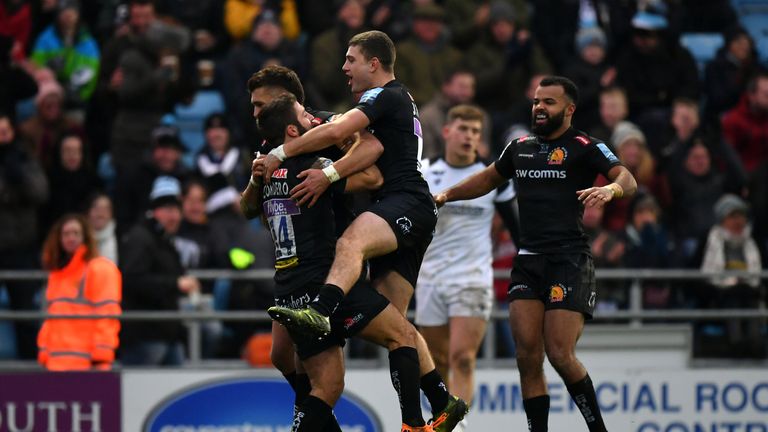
x,y
703,47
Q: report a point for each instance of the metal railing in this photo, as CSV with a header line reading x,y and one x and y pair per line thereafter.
x,y
635,315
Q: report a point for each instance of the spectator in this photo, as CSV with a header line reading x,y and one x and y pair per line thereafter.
x,y
141,66
329,87
80,283
16,23
219,156
727,74
99,215
686,127
24,85
555,25
654,69
467,20
745,127
239,16
696,186
23,189
730,247
614,108
427,57
69,50
71,178
648,246
503,62
458,88
154,280
266,46
133,187
591,73
194,226
632,150
49,124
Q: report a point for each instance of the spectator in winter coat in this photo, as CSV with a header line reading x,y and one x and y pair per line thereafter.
x,y
154,279
69,50
745,127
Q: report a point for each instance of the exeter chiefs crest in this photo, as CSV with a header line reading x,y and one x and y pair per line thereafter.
x,y
557,156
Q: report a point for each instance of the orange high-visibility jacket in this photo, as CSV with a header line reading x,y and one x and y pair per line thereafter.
x,y
85,288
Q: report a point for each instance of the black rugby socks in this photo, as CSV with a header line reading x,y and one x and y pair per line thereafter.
x,y
537,411
313,416
404,371
328,299
435,390
583,393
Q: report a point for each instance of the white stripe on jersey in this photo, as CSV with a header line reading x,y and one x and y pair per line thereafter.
x,y
460,252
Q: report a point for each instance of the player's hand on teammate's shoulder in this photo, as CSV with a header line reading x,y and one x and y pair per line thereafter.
x,y
271,163
308,191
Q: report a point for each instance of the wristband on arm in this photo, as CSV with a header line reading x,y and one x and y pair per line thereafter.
x,y
617,190
331,174
279,153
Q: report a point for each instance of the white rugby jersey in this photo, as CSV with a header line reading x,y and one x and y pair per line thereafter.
x,y
460,252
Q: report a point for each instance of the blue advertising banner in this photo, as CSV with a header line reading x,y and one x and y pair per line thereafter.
x,y
246,404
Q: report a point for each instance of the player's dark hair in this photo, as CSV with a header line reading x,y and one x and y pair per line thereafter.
x,y
277,77
376,44
568,86
686,101
275,117
465,112
143,3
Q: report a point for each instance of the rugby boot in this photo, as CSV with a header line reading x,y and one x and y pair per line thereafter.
x,y
425,428
307,321
450,416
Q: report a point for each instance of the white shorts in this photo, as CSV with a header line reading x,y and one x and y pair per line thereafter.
x,y
436,302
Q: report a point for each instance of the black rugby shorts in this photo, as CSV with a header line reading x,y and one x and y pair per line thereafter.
x,y
412,218
560,281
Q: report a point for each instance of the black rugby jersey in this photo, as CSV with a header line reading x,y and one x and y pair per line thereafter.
x,y
304,237
547,175
394,120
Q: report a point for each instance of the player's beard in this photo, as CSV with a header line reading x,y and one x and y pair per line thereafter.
x,y
552,124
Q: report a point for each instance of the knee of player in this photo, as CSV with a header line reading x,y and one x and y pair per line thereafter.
x,y
560,356
346,246
463,361
528,358
401,334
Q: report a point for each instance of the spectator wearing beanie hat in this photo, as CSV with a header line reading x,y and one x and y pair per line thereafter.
x,y
153,279
591,73
730,247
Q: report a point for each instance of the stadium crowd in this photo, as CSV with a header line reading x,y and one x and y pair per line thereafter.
x,y
136,114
